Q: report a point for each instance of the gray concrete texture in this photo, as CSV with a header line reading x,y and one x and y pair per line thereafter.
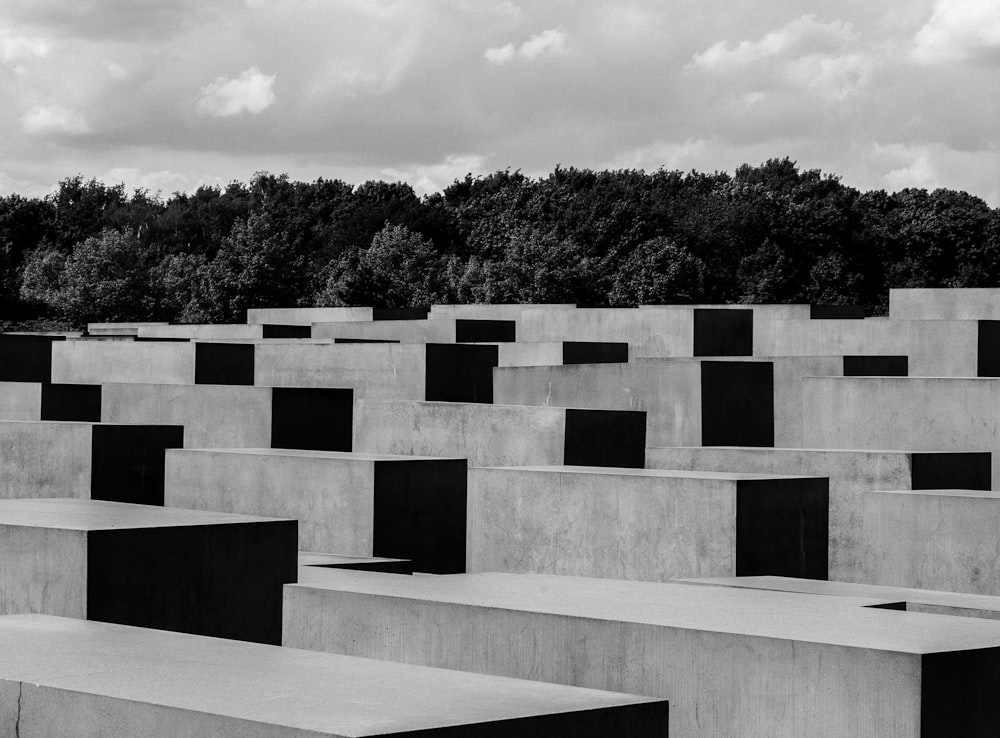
x,y
215,332
644,524
97,362
306,316
671,392
489,312
731,662
852,475
945,303
439,330
909,413
62,678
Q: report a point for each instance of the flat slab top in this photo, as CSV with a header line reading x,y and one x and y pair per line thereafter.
x,y
655,473
960,600
82,514
312,558
306,454
328,693
766,614
854,451
983,494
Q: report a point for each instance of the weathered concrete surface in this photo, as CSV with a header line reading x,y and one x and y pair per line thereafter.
x,y
420,331
645,524
119,329
934,539
207,331
20,400
357,504
191,571
911,413
967,303
935,348
306,316
557,353
500,435
105,461
756,410
852,475
915,600
97,362
731,662
43,401
63,678
490,312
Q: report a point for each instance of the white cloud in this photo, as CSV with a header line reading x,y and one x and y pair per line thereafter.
x,y
428,178
805,35
54,119
552,41
116,71
959,30
15,48
251,92
163,181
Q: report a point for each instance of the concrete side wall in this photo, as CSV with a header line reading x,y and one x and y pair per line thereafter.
x,y
945,304
914,414
44,571
600,525
669,392
489,312
119,329
789,423
934,348
852,475
405,331
650,332
20,400
331,498
929,541
96,362
718,684
45,459
530,354
222,332
306,316
213,415
382,371
486,435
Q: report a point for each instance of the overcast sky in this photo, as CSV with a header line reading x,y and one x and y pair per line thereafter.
x,y
170,94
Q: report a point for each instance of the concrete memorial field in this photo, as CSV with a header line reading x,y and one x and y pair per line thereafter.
x,y
764,521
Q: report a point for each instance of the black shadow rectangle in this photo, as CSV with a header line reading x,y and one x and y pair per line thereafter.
x,y
876,366
365,340
959,470
720,332
26,358
318,419
836,312
737,403
988,349
387,566
73,402
458,373
485,331
782,527
127,461
223,363
407,313
594,352
958,694
420,513
271,330
605,438
221,580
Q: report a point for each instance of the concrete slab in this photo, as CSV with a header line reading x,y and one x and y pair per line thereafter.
x,y
120,329
184,570
66,678
26,357
357,504
967,303
501,435
934,539
43,401
731,662
936,348
236,416
103,461
915,600
220,332
914,413
644,523
688,402
152,362
460,330
556,353
442,372
361,563
490,311
852,475
307,316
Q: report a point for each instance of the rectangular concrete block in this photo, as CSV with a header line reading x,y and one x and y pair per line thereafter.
x,y
44,401
460,330
307,316
103,461
356,504
557,353
120,329
210,332
26,358
852,475
63,678
734,663
438,372
152,362
968,303
933,539
501,435
489,311
645,524
191,571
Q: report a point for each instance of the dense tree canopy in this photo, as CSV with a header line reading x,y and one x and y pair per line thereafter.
x,y
767,233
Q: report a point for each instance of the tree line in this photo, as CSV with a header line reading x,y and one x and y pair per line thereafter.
x,y
771,233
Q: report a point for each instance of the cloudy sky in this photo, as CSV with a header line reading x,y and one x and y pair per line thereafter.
x,y
170,94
